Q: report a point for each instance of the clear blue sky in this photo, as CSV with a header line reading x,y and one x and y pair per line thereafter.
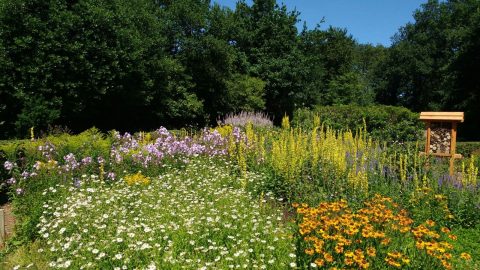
x,y
368,21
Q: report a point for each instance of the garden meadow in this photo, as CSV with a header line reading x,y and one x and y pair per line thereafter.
x,y
242,195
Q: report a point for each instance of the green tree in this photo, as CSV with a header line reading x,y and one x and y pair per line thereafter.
x,y
267,34
433,62
78,63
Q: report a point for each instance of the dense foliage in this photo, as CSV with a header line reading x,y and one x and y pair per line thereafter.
x,y
387,123
134,65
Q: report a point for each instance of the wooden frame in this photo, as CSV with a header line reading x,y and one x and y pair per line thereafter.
x,y
442,122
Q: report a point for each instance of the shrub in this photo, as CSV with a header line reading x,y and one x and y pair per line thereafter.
x,y
385,123
468,148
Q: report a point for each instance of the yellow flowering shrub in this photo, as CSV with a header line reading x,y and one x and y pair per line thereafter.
x,y
381,233
137,179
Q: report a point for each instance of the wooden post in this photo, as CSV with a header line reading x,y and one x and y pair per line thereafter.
x,y
427,145
453,142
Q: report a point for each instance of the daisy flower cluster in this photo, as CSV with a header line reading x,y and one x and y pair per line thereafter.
x,y
196,217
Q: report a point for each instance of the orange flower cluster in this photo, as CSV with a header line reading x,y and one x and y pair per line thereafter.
x,y
428,239
334,235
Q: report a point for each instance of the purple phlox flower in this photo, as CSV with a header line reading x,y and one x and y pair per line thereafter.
x,y
37,165
25,174
162,131
8,165
76,182
70,162
100,160
237,134
111,175
48,150
11,181
87,160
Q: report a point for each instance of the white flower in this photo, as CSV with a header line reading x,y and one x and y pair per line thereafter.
x,y
95,251
152,266
293,265
118,256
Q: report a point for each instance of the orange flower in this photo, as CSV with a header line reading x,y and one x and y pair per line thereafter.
x,y
446,264
395,254
349,254
319,262
364,264
371,252
348,261
452,236
309,251
385,241
465,256
430,223
392,262
338,249
328,257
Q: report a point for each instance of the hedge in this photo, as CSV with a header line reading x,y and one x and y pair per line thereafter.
x,y
385,123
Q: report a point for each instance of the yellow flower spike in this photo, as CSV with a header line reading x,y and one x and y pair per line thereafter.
x,y
32,135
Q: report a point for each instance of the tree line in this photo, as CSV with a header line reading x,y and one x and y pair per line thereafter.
x,y
130,65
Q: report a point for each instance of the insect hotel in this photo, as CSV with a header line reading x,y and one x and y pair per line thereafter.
x,y
441,131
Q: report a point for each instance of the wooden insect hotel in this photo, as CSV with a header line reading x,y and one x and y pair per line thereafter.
x,y
441,131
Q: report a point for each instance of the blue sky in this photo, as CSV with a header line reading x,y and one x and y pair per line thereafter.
x,y
368,21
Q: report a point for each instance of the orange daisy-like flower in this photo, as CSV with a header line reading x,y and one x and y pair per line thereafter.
x,y
385,241
328,257
465,256
338,249
348,261
452,236
320,262
445,230
430,223
371,251
392,262
395,254
309,251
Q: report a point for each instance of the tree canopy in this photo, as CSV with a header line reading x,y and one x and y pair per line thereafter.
x,y
131,65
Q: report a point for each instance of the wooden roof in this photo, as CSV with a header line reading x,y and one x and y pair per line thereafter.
x,y
442,116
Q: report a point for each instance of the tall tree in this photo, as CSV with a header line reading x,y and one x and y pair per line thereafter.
x,y
433,61
78,63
